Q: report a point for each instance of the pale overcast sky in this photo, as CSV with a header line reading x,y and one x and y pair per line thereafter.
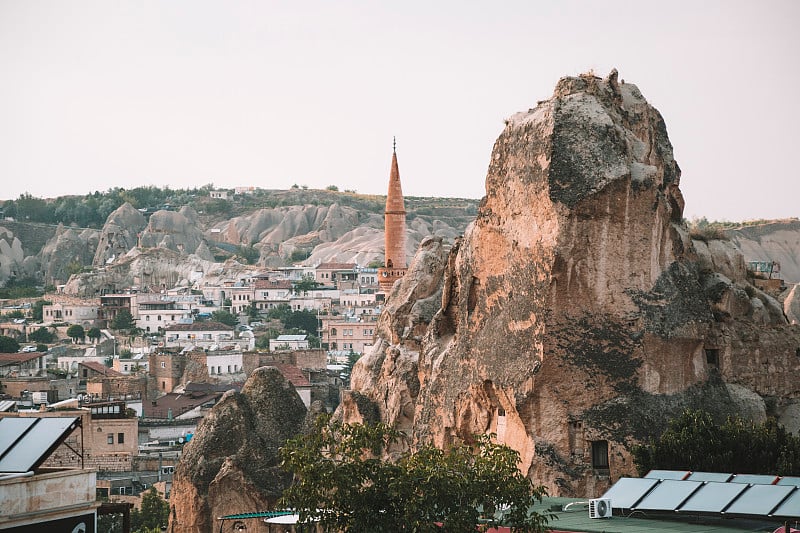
x,y
99,94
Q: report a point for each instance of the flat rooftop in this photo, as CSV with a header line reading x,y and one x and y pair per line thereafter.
x,y
576,518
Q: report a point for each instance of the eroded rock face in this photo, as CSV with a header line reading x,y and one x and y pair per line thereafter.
x,y
172,230
577,312
11,255
67,249
153,269
120,234
231,464
772,241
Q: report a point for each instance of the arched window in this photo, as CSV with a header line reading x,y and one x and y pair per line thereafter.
x,y
333,331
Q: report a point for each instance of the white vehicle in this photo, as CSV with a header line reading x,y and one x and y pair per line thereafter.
x,y
28,349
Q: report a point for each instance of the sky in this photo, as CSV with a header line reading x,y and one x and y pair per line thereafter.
x,y
97,94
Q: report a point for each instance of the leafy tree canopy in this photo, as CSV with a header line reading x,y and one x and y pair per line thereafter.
x,y
341,482
695,441
308,283
225,317
75,332
8,345
123,320
153,514
94,333
42,335
302,320
36,309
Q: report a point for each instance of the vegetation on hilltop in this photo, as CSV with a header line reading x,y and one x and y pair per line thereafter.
x,y
92,210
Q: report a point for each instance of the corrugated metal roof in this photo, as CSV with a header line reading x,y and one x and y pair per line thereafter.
x,y
7,405
291,337
26,442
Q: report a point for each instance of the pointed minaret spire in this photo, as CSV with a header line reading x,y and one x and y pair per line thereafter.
x,y
394,228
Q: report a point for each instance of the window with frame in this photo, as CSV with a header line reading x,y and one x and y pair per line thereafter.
x,y
110,438
600,455
120,438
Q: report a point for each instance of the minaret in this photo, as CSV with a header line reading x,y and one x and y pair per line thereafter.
x,y
394,230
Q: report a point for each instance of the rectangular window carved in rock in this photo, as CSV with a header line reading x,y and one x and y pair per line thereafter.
x,y
712,356
600,455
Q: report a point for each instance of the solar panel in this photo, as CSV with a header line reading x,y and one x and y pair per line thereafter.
x,y
760,499
709,476
32,441
667,474
754,479
11,429
627,491
668,495
712,497
790,506
789,480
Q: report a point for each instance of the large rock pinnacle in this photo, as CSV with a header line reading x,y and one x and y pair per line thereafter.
x,y
575,313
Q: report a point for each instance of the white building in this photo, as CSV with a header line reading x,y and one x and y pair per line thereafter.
x,y
289,342
224,362
205,334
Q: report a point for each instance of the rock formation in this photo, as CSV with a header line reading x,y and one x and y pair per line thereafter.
x,y
576,315
772,241
152,270
120,234
67,249
11,255
231,464
172,230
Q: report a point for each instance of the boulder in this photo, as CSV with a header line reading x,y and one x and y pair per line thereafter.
x,y
231,464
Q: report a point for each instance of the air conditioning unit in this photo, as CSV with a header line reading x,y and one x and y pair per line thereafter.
x,y
600,508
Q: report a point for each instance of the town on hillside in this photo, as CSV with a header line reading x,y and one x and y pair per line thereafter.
x,y
117,383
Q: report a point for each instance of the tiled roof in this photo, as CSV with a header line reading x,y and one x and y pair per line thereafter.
x,y
17,358
200,326
276,284
336,266
100,368
293,374
177,404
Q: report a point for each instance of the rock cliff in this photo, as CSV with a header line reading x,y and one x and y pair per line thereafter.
x,y
68,250
120,234
11,255
231,464
172,230
152,270
772,241
576,315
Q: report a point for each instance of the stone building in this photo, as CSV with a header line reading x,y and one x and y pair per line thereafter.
x,y
394,231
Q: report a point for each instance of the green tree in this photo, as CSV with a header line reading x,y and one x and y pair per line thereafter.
x,y
36,309
225,317
302,320
308,283
123,320
8,345
249,254
341,482
280,312
42,335
253,312
333,188
75,332
153,515
695,441
94,334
